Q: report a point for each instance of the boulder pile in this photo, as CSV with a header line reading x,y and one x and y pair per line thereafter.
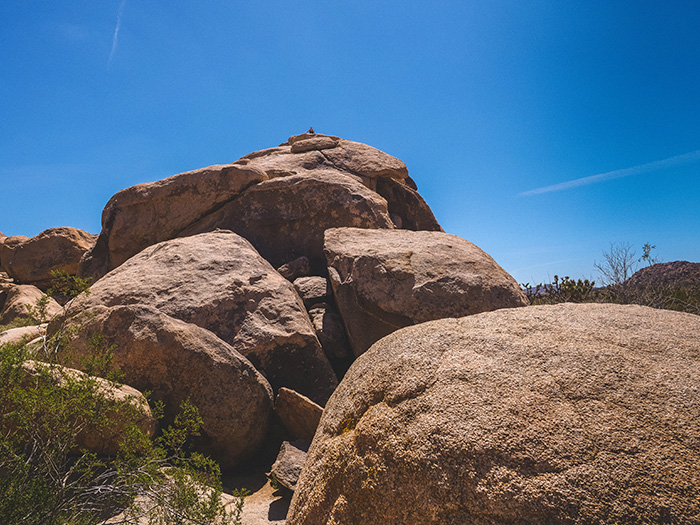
x,y
314,275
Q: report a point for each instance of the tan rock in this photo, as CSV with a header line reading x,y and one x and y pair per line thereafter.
x,y
104,440
289,463
30,261
177,360
22,334
284,218
17,299
313,289
299,415
388,279
218,281
149,213
308,152
316,143
574,413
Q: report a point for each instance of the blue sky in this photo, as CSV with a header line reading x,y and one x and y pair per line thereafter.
x,y
493,105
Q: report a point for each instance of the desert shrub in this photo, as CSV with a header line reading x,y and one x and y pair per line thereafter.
x,y
565,290
45,476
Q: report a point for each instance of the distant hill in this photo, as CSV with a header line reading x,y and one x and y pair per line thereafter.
x,y
676,273
673,285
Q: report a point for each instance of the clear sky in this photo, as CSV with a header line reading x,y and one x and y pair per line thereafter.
x,y
495,107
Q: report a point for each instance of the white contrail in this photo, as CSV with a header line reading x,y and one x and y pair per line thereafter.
x,y
116,31
634,170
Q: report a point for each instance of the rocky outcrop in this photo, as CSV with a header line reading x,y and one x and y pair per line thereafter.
x,y
315,182
218,281
176,360
104,439
384,280
31,260
19,300
309,152
284,218
299,415
574,413
145,214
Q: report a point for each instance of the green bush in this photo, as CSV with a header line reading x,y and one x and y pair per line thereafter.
x,y
47,479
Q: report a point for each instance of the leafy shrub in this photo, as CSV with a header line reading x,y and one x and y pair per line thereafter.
x,y
45,476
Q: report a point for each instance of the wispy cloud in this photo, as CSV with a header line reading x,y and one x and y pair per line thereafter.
x,y
617,174
115,38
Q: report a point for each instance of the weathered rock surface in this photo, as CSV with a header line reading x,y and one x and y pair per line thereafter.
x,y
586,413
148,213
22,333
289,463
16,299
218,281
31,260
307,152
299,415
315,182
313,289
384,280
106,439
176,360
285,217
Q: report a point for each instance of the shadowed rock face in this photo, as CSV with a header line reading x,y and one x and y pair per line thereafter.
x,y
177,360
384,280
31,260
583,413
218,281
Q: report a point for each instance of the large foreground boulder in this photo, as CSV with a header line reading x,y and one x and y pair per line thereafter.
x,y
175,360
566,414
218,281
31,260
384,280
148,213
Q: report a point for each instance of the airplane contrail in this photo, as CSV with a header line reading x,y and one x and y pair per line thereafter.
x,y
626,172
116,31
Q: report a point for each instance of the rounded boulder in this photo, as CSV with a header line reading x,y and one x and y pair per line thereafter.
x,y
574,413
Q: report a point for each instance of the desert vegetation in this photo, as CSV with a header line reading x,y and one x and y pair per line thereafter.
x,y
48,475
626,278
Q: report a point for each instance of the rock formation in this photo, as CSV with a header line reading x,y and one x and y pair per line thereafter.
x,y
384,280
318,259
177,360
30,261
575,413
218,281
